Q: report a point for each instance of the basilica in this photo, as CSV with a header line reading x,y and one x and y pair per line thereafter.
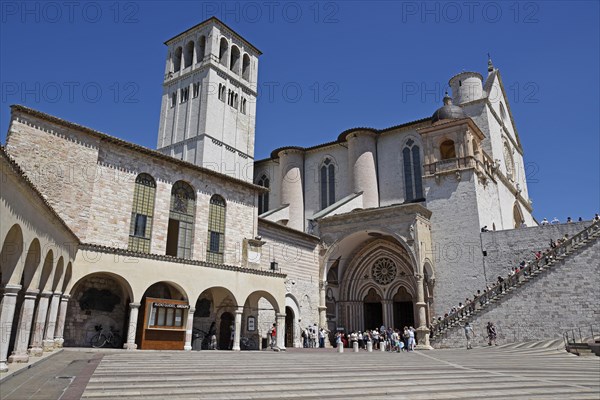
x,y
196,244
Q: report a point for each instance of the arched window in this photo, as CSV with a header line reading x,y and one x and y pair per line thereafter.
x,y
246,67
180,234
224,46
327,183
177,60
201,49
263,198
234,63
447,150
216,230
413,184
188,59
142,213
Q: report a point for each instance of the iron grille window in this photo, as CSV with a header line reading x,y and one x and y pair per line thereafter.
x,y
216,230
142,213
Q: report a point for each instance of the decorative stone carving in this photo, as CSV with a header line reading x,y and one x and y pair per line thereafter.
x,y
384,271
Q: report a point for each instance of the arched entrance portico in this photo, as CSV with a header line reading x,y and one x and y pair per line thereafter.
x,y
378,287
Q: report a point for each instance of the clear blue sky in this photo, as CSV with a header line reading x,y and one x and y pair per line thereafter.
x,y
373,64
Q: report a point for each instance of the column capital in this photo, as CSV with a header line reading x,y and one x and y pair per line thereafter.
x,y
31,294
45,293
134,305
66,297
11,290
191,310
238,311
280,315
57,293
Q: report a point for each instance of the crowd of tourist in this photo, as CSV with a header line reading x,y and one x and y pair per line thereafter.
x,y
389,339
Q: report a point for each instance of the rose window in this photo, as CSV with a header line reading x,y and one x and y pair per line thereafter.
x,y
384,271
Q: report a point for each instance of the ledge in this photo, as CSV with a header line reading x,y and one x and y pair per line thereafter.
x,y
165,258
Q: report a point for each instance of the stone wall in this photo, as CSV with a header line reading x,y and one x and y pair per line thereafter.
x,y
89,180
506,249
297,255
560,299
79,325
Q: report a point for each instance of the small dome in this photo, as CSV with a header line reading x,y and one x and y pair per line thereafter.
x,y
448,111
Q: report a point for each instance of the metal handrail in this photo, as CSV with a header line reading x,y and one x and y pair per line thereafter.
x,y
522,276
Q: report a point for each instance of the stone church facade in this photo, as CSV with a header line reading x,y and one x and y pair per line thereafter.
x,y
196,242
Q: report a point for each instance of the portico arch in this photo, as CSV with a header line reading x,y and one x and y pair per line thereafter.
x,y
98,299
214,313
263,306
12,249
162,322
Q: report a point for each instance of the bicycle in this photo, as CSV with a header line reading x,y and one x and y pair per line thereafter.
x,y
101,339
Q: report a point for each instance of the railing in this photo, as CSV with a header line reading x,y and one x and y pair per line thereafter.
x,y
580,335
449,165
531,269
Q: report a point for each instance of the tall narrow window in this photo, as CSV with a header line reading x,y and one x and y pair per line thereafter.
x,y
413,184
201,49
246,67
188,58
142,213
180,232
177,59
216,230
327,183
223,51
234,63
263,198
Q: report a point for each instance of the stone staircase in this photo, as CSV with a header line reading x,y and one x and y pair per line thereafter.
x,y
500,373
512,286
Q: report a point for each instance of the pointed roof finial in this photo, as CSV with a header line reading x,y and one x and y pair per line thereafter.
x,y
447,99
490,65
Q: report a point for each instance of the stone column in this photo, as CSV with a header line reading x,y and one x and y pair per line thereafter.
x,y
19,353
7,314
60,325
388,312
280,331
422,324
237,333
39,324
48,342
189,327
322,305
132,328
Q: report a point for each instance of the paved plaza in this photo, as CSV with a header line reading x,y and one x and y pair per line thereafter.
x,y
525,371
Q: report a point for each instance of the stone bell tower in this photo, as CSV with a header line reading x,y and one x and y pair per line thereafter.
x,y
208,103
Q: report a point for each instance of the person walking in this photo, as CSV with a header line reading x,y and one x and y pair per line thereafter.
x,y
491,331
469,334
274,336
